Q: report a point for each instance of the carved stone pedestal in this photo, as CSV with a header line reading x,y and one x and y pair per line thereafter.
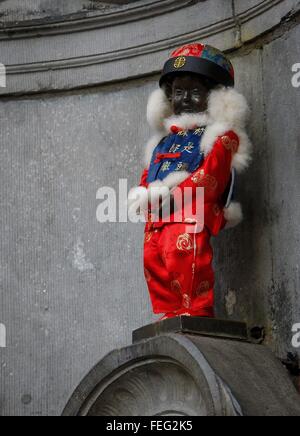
x,y
187,367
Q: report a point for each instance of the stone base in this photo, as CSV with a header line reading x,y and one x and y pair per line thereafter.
x,y
187,375
217,328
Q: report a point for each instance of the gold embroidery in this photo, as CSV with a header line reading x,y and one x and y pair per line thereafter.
x,y
188,148
182,133
185,243
174,148
199,131
196,178
226,142
166,166
180,62
186,301
230,144
207,181
148,236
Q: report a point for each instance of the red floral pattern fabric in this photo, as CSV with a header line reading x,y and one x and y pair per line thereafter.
x,y
178,263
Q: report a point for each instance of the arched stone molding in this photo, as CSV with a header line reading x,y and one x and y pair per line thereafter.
x,y
186,375
163,377
132,41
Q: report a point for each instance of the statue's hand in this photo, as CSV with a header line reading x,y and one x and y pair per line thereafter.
x,y
158,193
137,201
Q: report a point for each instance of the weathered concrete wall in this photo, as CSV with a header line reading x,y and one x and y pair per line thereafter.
x,y
260,259
72,289
14,10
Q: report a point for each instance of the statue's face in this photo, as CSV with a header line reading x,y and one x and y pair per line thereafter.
x,y
189,94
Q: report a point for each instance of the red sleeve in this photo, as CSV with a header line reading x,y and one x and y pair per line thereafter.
x,y
213,176
144,177
215,172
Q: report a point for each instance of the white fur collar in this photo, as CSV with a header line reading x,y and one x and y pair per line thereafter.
x,y
227,110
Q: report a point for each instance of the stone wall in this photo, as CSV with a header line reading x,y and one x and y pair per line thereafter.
x,y
72,120
14,10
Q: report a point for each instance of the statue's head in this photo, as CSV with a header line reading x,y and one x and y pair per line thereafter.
x,y
191,73
188,93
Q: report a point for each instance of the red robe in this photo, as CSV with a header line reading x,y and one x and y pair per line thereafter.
x,y
178,265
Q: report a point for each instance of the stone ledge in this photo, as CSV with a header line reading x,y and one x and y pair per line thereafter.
x,y
84,20
94,55
217,328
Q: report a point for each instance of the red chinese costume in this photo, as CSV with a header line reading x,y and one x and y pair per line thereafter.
x,y
189,151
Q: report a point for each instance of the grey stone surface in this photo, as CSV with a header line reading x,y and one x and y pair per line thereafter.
x,y
263,22
133,40
114,46
282,116
72,289
262,268
179,375
14,10
243,257
218,328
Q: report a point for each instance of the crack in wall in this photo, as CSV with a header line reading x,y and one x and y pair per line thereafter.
x,y
238,26
289,22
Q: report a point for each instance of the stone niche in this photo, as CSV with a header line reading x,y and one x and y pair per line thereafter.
x,y
72,290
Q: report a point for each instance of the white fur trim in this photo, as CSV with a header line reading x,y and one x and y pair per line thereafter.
x,y
233,215
211,134
162,189
151,145
227,110
170,182
156,184
158,109
226,105
186,121
174,179
242,159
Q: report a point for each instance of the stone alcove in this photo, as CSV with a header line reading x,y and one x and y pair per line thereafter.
x,y
72,120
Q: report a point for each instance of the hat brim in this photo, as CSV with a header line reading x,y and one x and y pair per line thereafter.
x,y
192,64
